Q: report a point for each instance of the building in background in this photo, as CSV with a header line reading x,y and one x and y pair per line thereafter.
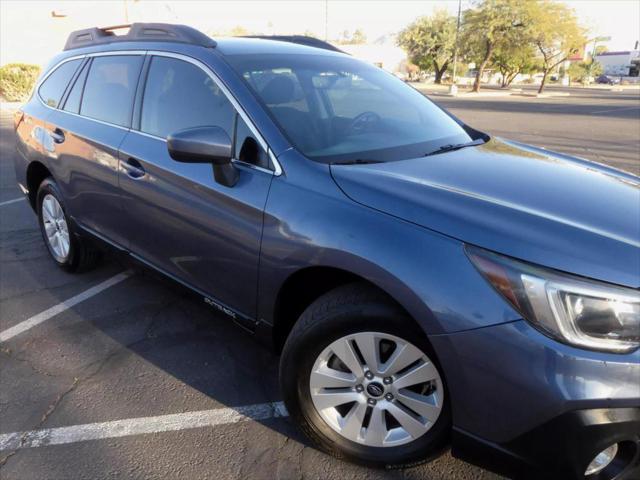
x,y
383,52
623,64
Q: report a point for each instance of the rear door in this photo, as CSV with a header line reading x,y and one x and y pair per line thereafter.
x,y
31,126
86,131
178,218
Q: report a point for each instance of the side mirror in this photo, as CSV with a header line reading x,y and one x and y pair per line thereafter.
x,y
205,145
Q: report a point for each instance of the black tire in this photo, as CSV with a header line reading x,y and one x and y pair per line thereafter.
x,y
82,255
346,310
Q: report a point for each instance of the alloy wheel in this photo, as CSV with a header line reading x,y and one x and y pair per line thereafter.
x,y
376,389
55,227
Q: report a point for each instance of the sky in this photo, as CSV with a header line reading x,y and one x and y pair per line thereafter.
x,y
30,33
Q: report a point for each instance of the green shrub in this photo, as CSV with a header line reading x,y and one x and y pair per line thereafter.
x,y
17,81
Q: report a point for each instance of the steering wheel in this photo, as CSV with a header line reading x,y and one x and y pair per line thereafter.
x,y
363,122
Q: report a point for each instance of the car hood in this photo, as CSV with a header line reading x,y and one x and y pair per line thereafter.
x,y
547,208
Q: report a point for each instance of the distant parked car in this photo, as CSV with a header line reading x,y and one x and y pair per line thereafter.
x,y
605,79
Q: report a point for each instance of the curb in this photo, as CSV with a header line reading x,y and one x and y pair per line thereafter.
x,y
10,106
471,94
544,95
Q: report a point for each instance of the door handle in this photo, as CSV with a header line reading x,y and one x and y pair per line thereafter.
x,y
57,135
134,168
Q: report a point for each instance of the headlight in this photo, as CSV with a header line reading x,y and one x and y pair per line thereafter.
x,y
581,312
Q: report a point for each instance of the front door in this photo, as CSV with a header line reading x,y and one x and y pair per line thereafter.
x,y
177,218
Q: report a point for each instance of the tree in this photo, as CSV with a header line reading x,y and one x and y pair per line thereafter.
x,y
584,71
512,60
492,26
238,31
429,42
358,37
344,37
556,34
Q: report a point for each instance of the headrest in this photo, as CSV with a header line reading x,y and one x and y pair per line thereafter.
x,y
279,90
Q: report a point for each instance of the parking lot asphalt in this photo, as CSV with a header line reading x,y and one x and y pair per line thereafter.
x,y
596,124
139,380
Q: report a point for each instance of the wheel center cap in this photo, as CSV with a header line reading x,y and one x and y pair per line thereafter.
x,y
375,389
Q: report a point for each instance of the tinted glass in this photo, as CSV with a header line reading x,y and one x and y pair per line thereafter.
x,y
110,88
53,87
336,108
261,80
179,95
247,148
72,104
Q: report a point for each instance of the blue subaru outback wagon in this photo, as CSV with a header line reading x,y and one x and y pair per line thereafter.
x,y
425,284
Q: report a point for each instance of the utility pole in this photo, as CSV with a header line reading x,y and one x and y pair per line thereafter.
x,y
326,20
453,90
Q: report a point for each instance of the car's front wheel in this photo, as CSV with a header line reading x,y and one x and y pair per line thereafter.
x,y
361,379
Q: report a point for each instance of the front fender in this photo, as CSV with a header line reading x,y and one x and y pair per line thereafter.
x,y
309,222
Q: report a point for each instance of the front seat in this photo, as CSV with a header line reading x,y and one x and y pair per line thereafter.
x,y
280,91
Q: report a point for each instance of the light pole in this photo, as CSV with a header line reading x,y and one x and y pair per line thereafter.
x,y
326,20
453,89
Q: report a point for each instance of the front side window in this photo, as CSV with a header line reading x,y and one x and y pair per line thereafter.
x,y
53,87
110,88
337,109
179,95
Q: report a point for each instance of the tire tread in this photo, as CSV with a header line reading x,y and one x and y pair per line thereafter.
x,y
336,302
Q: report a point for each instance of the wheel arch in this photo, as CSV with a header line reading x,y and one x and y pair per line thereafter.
x,y
36,173
305,286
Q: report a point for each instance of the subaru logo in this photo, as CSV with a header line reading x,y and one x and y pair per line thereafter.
x,y
375,389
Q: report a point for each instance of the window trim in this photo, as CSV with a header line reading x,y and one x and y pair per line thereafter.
x,y
277,168
72,83
66,87
86,64
76,57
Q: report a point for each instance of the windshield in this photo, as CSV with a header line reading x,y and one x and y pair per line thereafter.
x,y
338,109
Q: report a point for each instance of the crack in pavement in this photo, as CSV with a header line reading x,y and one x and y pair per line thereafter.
x,y
7,352
52,407
77,380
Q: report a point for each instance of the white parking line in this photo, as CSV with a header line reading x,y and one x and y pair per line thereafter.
x,y
61,307
15,200
140,426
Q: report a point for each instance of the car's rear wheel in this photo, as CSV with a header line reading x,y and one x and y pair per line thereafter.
x,y
70,251
361,379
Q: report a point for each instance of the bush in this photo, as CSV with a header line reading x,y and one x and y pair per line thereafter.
x,y
17,81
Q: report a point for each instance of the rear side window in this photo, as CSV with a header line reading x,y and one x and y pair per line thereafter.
x,y
179,95
53,87
110,88
72,104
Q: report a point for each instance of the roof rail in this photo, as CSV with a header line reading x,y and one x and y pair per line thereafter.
x,y
300,40
138,32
